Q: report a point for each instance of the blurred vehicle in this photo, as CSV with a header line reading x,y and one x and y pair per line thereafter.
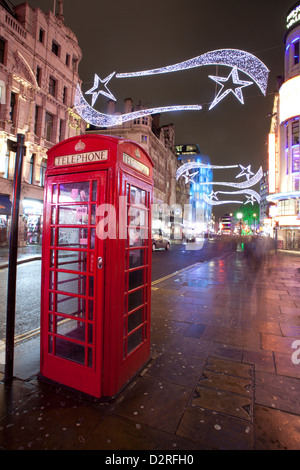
x,y
159,240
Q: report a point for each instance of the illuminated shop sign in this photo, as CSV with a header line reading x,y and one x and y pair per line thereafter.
x,y
80,158
135,164
289,99
293,17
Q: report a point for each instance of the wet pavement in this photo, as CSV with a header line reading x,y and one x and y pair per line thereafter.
x,y
224,372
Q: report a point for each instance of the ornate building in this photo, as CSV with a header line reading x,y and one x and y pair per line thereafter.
x,y
39,58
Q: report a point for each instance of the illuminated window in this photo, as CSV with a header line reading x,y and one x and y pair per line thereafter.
x,y
144,139
296,52
295,160
295,132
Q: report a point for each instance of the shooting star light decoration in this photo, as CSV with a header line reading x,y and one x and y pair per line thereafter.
x,y
238,60
242,188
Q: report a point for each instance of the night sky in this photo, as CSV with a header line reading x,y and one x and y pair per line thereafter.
x,y
129,36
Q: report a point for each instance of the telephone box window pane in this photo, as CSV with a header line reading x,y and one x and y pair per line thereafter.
x,y
71,351
52,241
135,299
135,319
138,217
72,237
137,196
74,192
91,310
93,214
90,357
72,283
72,260
92,239
53,218
134,340
73,215
68,305
70,328
136,258
137,237
136,279
54,193
94,191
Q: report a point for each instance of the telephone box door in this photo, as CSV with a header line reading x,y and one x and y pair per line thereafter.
x,y
73,279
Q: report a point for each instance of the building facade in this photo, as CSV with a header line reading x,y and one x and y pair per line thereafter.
x,y
169,196
39,58
284,143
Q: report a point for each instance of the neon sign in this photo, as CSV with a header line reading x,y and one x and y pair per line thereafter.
x,y
293,17
238,61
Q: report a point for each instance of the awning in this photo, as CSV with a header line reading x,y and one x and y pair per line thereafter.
x,y
5,205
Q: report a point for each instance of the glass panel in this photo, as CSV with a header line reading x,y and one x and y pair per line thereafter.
x,y
91,310
136,279
71,328
93,214
70,305
135,319
138,216
135,299
53,216
137,237
73,215
137,196
52,240
73,237
68,350
54,193
92,240
70,282
134,340
72,260
136,258
73,192
94,191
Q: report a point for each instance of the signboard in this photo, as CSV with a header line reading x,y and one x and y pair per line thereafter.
x,y
80,158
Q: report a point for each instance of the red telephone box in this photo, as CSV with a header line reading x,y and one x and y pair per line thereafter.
x,y
96,263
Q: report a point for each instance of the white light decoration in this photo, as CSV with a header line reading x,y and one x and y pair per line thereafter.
x,y
226,89
241,60
238,60
104,82
251,195
243,187
98,119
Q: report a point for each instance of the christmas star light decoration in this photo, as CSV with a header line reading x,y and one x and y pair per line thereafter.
x,y
246,171
227,87
241,188
93,91
235,59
